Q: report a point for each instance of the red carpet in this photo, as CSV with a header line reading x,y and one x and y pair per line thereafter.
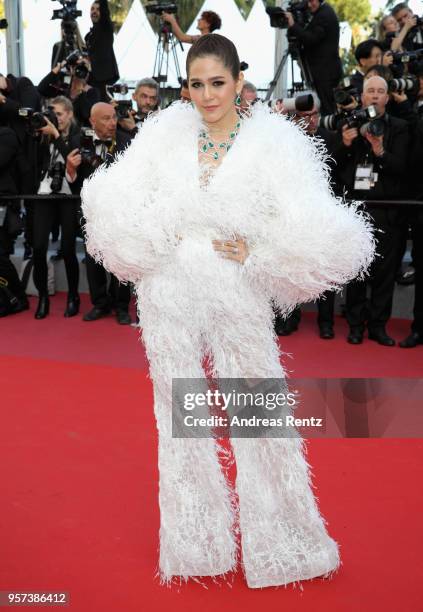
x,y
79,480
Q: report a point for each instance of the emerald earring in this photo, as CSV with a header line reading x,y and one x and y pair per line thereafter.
x,y
238,100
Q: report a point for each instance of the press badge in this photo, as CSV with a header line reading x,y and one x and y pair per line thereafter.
x,y
365,178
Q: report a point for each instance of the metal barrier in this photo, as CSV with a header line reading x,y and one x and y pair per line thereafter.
x,y
60,196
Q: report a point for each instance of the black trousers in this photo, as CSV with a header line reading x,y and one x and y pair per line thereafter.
x,y
116,295
417,234
45,212
326,309
324,89
377,310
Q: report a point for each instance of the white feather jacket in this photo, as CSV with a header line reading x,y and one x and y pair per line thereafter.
x,y
272,188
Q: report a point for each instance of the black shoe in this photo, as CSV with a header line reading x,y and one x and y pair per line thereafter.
x,y
326,332
412,340
72,307
96,313
355,336
380,336
43,307
406,277
123,318
285,328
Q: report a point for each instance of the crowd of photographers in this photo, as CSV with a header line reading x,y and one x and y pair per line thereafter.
x,y
54,135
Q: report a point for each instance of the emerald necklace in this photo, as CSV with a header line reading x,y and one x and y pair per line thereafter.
x,y
214,149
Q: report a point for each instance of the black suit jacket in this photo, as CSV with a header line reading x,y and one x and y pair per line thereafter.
x,y
320,42
123,140
22,93
391,167
99,41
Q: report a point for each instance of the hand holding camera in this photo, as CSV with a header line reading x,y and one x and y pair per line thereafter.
x,y
289,19
73,161
49,129
349,134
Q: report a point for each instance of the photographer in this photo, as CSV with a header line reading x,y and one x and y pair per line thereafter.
x,y
71,40
399,104
70,79
371,165
17,93
99,41
309,120
57,135
392,35
12,293
368,53
248,95
207,23
411,27
146,97
320,43
103,145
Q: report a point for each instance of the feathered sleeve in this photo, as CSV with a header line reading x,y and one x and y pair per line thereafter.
x,y
313,241
123,224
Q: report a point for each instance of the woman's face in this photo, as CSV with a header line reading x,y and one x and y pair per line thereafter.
x,y
390,24
213,89
64,117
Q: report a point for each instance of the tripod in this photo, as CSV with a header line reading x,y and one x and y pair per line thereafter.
x,y
294,53
166,45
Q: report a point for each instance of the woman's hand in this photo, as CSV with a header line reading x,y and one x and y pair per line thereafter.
x,y
237,250
169,17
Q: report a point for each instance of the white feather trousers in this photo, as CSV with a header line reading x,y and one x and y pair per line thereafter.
x,y
149,222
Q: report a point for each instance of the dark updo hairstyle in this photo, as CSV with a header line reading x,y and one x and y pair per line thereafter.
x,y
213,19
220,47
383,71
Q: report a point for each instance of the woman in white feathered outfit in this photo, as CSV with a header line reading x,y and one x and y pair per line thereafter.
x,y
209,247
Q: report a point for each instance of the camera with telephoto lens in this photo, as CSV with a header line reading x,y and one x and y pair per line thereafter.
x,y
405,57
345,94
409,84
37,120
69,11
302,103
56,173
118,88
353,119
157,8
298,9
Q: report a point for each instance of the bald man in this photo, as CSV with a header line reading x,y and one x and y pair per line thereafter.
x,y
372,167
108,142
